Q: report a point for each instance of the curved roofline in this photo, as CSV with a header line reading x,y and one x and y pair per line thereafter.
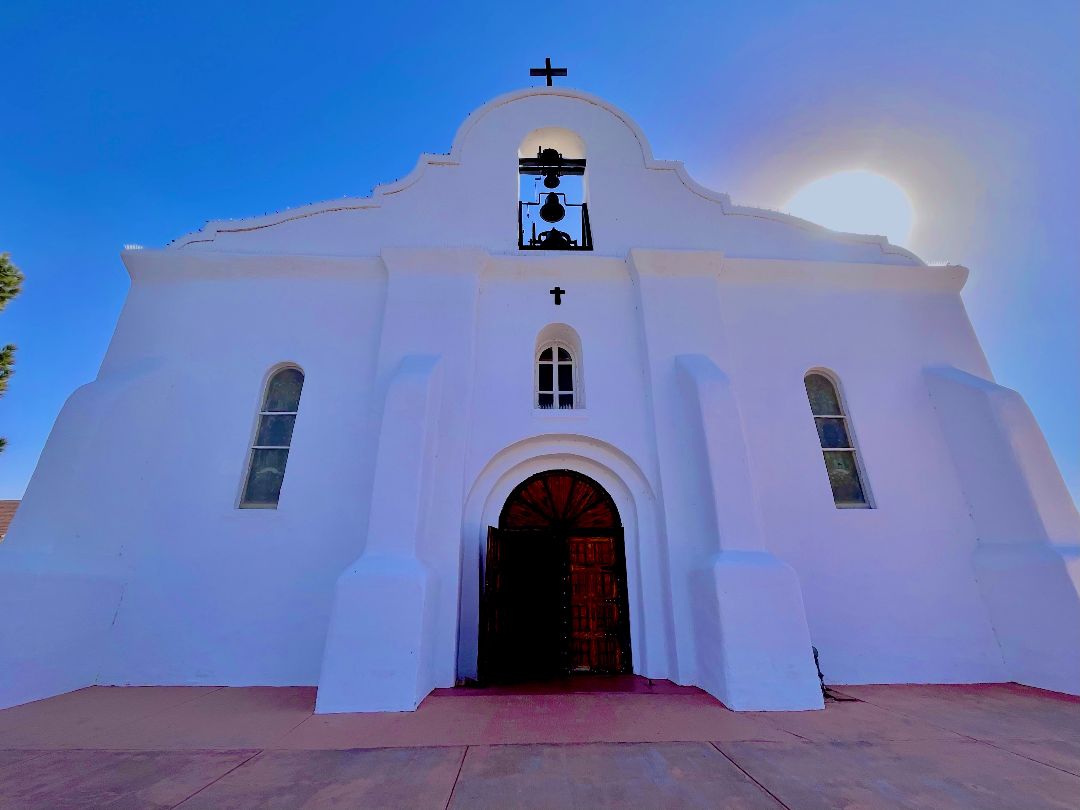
x,y
213,227
568,92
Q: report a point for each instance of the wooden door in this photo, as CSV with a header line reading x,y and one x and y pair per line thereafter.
x,y
525,610
555,598
599,626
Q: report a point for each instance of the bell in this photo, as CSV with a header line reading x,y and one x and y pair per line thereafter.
x,y
551,158
556,240
552,210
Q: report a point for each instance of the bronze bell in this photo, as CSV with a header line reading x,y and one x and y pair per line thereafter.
x,y
552,210
556,240
553,160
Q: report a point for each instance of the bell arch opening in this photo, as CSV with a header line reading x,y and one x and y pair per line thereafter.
x,y
552,210
565,141
554,593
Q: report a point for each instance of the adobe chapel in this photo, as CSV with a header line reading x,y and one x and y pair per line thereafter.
x,y
544,407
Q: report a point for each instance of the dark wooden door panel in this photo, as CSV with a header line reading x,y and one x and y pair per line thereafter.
x,y
526,616
598,604
560,499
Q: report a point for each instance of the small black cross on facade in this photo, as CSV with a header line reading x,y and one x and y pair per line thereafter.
x,y
558,292
548,71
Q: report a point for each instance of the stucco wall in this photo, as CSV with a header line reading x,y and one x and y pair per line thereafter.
x,y
890,592
698,320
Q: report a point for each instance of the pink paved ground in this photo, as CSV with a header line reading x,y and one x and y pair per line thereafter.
x,y
639,745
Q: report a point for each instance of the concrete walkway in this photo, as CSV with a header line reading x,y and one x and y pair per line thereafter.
x,y
995,746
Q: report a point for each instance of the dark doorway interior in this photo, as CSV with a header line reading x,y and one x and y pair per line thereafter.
x,y
554,600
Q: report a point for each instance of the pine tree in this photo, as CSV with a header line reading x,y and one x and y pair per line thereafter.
x,y
10,283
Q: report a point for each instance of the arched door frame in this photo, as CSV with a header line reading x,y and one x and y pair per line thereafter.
x,y
554,597
648,581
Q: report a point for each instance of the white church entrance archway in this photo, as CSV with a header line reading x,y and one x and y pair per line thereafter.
x,y
651,626
554,598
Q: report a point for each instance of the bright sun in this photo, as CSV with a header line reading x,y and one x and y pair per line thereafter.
x,y
856,202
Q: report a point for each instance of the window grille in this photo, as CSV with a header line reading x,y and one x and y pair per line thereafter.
x,y
555,378
837,442
273,438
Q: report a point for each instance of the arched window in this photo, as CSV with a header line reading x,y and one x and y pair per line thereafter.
x,y
558,364
837,441
273,436
555,377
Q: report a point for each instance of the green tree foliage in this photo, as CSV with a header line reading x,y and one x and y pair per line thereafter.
x,y
11,280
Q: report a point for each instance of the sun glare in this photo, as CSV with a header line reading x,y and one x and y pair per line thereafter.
x,y
856,202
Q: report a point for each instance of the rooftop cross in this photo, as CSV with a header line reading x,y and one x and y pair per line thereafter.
x,y
548,71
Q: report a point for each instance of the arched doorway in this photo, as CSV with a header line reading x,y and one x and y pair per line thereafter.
x,y
554,598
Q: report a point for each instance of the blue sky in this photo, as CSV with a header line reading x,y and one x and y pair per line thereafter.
x,y
136,122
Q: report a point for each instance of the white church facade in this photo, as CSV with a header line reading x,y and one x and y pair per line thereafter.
x,y
545,405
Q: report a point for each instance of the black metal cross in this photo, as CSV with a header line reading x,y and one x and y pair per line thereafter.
x,y
548,71
558,292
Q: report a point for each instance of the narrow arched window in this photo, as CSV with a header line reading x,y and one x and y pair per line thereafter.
x,y
837,442
555,377
273,437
